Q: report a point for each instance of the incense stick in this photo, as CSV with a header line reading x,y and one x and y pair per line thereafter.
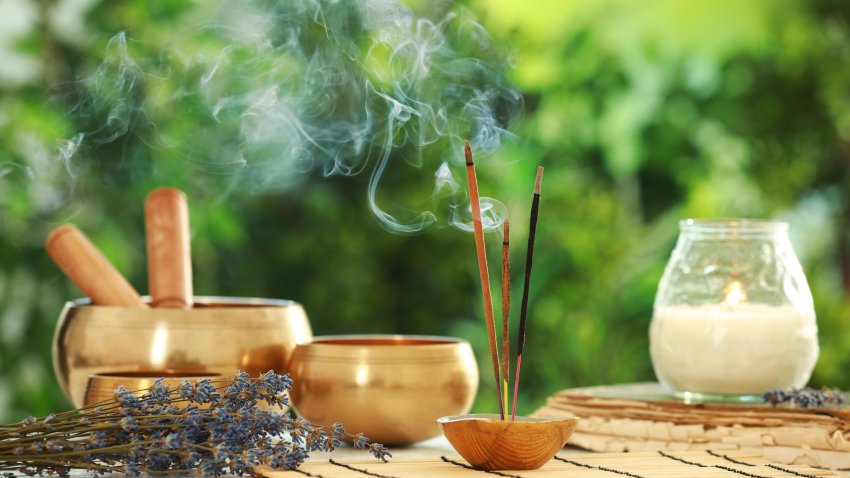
x,y
506,309
478,229
529,257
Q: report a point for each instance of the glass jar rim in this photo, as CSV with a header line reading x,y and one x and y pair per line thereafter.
x,y
733,226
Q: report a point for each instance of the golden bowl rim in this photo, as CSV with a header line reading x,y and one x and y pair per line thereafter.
x,y
167,374
405,340
496,418
206,301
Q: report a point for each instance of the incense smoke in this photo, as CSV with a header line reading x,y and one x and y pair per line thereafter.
x,y
299,86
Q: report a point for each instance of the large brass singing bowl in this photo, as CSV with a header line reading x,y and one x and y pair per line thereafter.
x,y
392,388
218,335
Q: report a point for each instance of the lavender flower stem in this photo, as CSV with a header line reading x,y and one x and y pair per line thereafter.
x,y
214,427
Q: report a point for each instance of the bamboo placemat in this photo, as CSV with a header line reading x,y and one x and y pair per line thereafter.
x,y
659,464
643,417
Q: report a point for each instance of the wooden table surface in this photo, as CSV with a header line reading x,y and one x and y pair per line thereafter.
x,y
423,460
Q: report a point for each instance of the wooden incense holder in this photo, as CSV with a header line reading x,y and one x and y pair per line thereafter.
x,y
169,253
489,443
86,266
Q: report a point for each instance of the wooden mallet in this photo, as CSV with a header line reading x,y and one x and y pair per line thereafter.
x,y
169,252
87,267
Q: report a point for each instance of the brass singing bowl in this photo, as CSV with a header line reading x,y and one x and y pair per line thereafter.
x,y
489,443
219,335
101,387
391,388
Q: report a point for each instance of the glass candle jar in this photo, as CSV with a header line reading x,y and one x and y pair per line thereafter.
x,y
733,314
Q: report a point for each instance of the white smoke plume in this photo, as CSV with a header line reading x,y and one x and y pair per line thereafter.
x,y
281,90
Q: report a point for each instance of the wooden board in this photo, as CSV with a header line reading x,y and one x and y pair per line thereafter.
x,y
702,464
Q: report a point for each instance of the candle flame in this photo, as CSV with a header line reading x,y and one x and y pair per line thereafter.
x,y
735,293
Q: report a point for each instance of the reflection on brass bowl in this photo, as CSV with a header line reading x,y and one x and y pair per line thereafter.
x,y
101,386
392,388
489,443
219,335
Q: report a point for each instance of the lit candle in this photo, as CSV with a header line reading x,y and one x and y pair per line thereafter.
x,y
733,347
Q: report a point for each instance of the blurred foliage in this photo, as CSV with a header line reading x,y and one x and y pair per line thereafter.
x,y
643,113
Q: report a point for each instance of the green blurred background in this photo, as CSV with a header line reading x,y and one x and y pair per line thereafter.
x,y
643,113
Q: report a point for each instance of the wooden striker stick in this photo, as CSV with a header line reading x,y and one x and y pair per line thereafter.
x,y
169,253
478,230
506,310
529,258
86,266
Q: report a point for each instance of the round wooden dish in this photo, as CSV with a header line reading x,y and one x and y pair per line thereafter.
x,y
490,443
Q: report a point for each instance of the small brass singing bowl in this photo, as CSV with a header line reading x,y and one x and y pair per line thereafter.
x,y
219,335
101,386
391,388
489,443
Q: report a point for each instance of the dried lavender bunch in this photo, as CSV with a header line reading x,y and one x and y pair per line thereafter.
x,y
806,397
214,426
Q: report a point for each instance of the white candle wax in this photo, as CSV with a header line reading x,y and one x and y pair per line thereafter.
x,y
725,349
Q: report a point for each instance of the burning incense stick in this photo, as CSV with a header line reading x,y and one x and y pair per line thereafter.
x,y
506,309
529,257
478,229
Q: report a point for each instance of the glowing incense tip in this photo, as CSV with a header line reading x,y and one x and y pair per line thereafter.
x,y
467,150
